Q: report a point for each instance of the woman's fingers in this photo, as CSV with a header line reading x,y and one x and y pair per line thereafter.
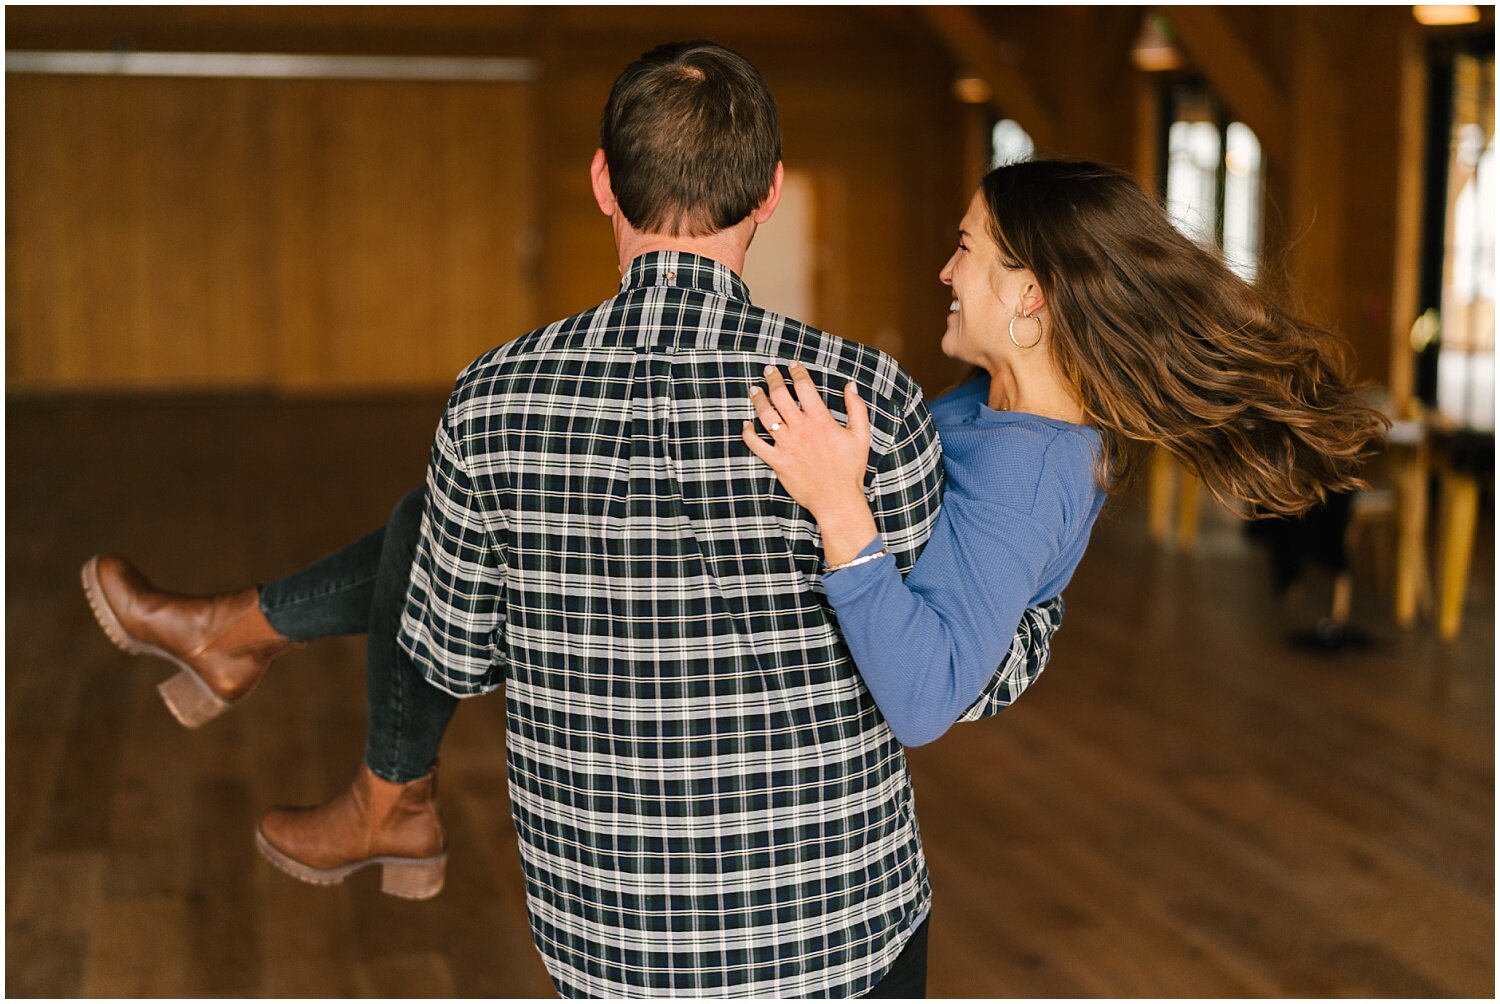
x,y
781,397
807,392
769,415
758,446
820,462
859,415
788,405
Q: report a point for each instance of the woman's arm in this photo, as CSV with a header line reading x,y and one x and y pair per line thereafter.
x,y
926,645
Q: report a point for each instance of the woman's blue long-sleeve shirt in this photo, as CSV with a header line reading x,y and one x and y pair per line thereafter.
x,y
1021,498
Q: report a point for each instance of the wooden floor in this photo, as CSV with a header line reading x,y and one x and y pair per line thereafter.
x,y
1182,805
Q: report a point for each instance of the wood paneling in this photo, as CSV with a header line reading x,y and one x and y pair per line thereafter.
x,y
1183,805
133,233
174,234
411,239
966,34
1238,72
1316,171
385,30
199,233
1405,254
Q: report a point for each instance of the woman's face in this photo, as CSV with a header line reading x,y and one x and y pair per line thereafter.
x,y
986,293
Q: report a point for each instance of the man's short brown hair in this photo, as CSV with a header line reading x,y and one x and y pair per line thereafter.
x,y
691,139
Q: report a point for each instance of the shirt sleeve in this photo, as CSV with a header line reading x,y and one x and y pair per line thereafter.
x,y
1030,651
907,486
453,626
928,646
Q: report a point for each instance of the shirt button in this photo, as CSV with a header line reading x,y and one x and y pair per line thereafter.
x,y
671,276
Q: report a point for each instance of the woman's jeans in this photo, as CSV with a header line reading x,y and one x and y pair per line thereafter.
x,y
362,590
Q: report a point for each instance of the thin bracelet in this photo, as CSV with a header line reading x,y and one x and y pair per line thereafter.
x,y
830,569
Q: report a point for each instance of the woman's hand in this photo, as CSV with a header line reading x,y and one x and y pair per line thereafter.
x,y
820,463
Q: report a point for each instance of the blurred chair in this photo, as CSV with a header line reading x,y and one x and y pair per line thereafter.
x,y
1463,462
1466,467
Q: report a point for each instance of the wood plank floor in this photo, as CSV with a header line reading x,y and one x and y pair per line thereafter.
x,y
1183,805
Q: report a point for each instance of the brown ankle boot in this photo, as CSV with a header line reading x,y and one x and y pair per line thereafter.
x,y
375,821
223,645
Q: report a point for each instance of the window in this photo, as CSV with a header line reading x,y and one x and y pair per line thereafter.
x,y
1213,177
1242,195
1193,180
1009,143
1466,358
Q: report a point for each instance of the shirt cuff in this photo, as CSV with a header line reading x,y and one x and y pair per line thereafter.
x,y
850,582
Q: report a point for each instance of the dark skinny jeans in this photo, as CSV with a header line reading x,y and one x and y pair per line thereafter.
x,y
361,589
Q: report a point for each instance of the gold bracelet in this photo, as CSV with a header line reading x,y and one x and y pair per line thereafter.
x,y
830,569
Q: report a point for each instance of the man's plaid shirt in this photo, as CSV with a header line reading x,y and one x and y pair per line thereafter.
x,y
708,800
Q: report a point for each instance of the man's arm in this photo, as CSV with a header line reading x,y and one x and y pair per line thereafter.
x,y
907,487
454,623
1030,650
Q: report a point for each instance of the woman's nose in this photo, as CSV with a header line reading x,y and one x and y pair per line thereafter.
x,y
946,275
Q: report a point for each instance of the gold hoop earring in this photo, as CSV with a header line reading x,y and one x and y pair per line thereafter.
x,y
1028,317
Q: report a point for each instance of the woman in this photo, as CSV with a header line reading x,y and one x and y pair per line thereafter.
x,y
1098,332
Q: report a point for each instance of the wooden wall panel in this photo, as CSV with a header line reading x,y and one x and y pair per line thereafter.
x,y
1374,143
134,248
312,234
385,29
1317,204
408,215
1403,257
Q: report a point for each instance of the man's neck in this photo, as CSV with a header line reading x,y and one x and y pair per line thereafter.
x,y
727,247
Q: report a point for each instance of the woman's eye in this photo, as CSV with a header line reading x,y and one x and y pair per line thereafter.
x,y
962,246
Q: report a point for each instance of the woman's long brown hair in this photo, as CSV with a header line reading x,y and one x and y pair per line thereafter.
x,y
1167,347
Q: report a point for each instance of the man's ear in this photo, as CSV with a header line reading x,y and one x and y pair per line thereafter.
x,y
604,194
763,212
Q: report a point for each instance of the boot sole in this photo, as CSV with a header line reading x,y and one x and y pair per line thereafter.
x,y
408,878
191,701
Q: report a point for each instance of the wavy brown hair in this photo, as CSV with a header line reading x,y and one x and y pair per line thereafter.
x,y
1167,347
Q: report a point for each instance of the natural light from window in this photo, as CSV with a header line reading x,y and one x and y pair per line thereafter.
x,y
1193,180
1010,143
1214,184
1242,187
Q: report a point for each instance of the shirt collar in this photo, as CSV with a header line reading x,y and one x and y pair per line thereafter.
x,y
685,271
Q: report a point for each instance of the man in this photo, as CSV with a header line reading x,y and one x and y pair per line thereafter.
x,y
707,799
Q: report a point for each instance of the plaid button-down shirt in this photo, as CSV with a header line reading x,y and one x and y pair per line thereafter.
x,y
707,798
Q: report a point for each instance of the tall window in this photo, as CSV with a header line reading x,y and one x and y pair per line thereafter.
x,y
1466,359
1242,200
1213,177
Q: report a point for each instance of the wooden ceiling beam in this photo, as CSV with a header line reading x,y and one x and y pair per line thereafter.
x,y
1205,34
973,44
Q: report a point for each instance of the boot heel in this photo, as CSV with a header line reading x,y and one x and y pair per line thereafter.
x,y
190,700
413,880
